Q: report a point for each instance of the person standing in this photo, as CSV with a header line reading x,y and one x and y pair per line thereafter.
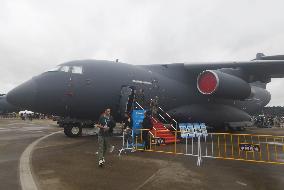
x,y
154,104
127,128
146,126
104,122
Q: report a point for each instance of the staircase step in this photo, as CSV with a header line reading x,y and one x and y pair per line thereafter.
x,y
162,132
158,124
158,127
171,141
165,135
170,138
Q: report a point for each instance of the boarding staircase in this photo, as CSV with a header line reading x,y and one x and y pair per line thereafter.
x,y
164,127
161,131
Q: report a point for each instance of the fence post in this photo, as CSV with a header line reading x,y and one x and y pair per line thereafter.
x,y
186,145
267,149
199,157
275,149
150,142
136,142
212,145
251,138
225,146
239,146
260,154
219,153
205,146
232,142
192,146
175,142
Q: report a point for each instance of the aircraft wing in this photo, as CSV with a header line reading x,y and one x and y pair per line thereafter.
x,y
264,68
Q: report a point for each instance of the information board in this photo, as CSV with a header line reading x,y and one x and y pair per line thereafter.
x,y
137,118
189,130
249,147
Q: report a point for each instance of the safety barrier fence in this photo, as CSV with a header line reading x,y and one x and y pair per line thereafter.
x,y
244,147
9,117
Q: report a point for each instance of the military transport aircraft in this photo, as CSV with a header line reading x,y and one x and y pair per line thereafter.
x,y
214,93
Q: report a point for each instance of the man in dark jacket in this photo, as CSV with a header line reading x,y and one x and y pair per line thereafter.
x,y
103,142
147,126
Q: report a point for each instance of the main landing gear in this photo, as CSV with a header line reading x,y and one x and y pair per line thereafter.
x,y
72,130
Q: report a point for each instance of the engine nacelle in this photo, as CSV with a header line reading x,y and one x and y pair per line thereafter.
x,y
223,85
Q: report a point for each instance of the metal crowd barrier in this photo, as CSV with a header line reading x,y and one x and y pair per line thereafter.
x,y
227,146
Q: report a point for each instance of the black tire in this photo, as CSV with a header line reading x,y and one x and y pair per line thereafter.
x,y
72,130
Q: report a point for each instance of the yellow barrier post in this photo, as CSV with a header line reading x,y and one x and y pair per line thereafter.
x,y
283,144
260,151
239,146
246,151
155,139
232,146
219,153
175,142
212,145
275,149
253,150
267,149
136,141
225,146
150,142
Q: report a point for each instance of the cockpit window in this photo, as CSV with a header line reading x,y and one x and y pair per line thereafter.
x,y
64,69
77,69
54,69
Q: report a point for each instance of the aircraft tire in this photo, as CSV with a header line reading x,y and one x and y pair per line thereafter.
x,y
72,131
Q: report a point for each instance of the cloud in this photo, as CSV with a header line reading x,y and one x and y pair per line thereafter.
x,y
36,35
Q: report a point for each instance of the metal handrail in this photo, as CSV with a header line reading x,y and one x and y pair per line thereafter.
x,y
139,105
162,117
168,117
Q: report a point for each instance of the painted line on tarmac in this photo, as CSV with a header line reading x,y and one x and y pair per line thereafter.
x,y
147,180
26,177
241,183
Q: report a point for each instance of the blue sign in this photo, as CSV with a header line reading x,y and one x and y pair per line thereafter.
x,y
137,118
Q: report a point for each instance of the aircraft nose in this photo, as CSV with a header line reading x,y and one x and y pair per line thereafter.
x,y
23,96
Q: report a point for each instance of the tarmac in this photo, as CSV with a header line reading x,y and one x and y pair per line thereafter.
x,y
59,162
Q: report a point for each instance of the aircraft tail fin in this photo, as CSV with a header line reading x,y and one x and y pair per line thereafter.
x,y
261,56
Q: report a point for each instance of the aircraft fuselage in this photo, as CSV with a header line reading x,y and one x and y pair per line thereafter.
x,y
85,93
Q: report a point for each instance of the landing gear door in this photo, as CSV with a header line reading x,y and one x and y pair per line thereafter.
x,y
126,99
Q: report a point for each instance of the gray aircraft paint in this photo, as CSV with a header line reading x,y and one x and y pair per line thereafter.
x,y
6,107
85,96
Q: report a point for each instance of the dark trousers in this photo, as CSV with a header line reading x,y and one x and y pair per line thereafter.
x,y
146,140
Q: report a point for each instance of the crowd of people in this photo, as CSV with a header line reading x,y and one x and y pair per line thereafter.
x,y
268,121
9,115
24,116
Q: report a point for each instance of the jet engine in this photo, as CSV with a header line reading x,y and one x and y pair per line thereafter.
x,y
219,84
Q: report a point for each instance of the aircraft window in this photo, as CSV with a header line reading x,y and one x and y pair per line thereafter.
x,y
77,69
64,69
54,69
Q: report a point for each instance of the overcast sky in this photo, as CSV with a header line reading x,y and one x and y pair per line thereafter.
x,y
36,35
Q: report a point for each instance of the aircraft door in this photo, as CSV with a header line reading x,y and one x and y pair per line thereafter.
x,y
126,99
82,88
68,90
